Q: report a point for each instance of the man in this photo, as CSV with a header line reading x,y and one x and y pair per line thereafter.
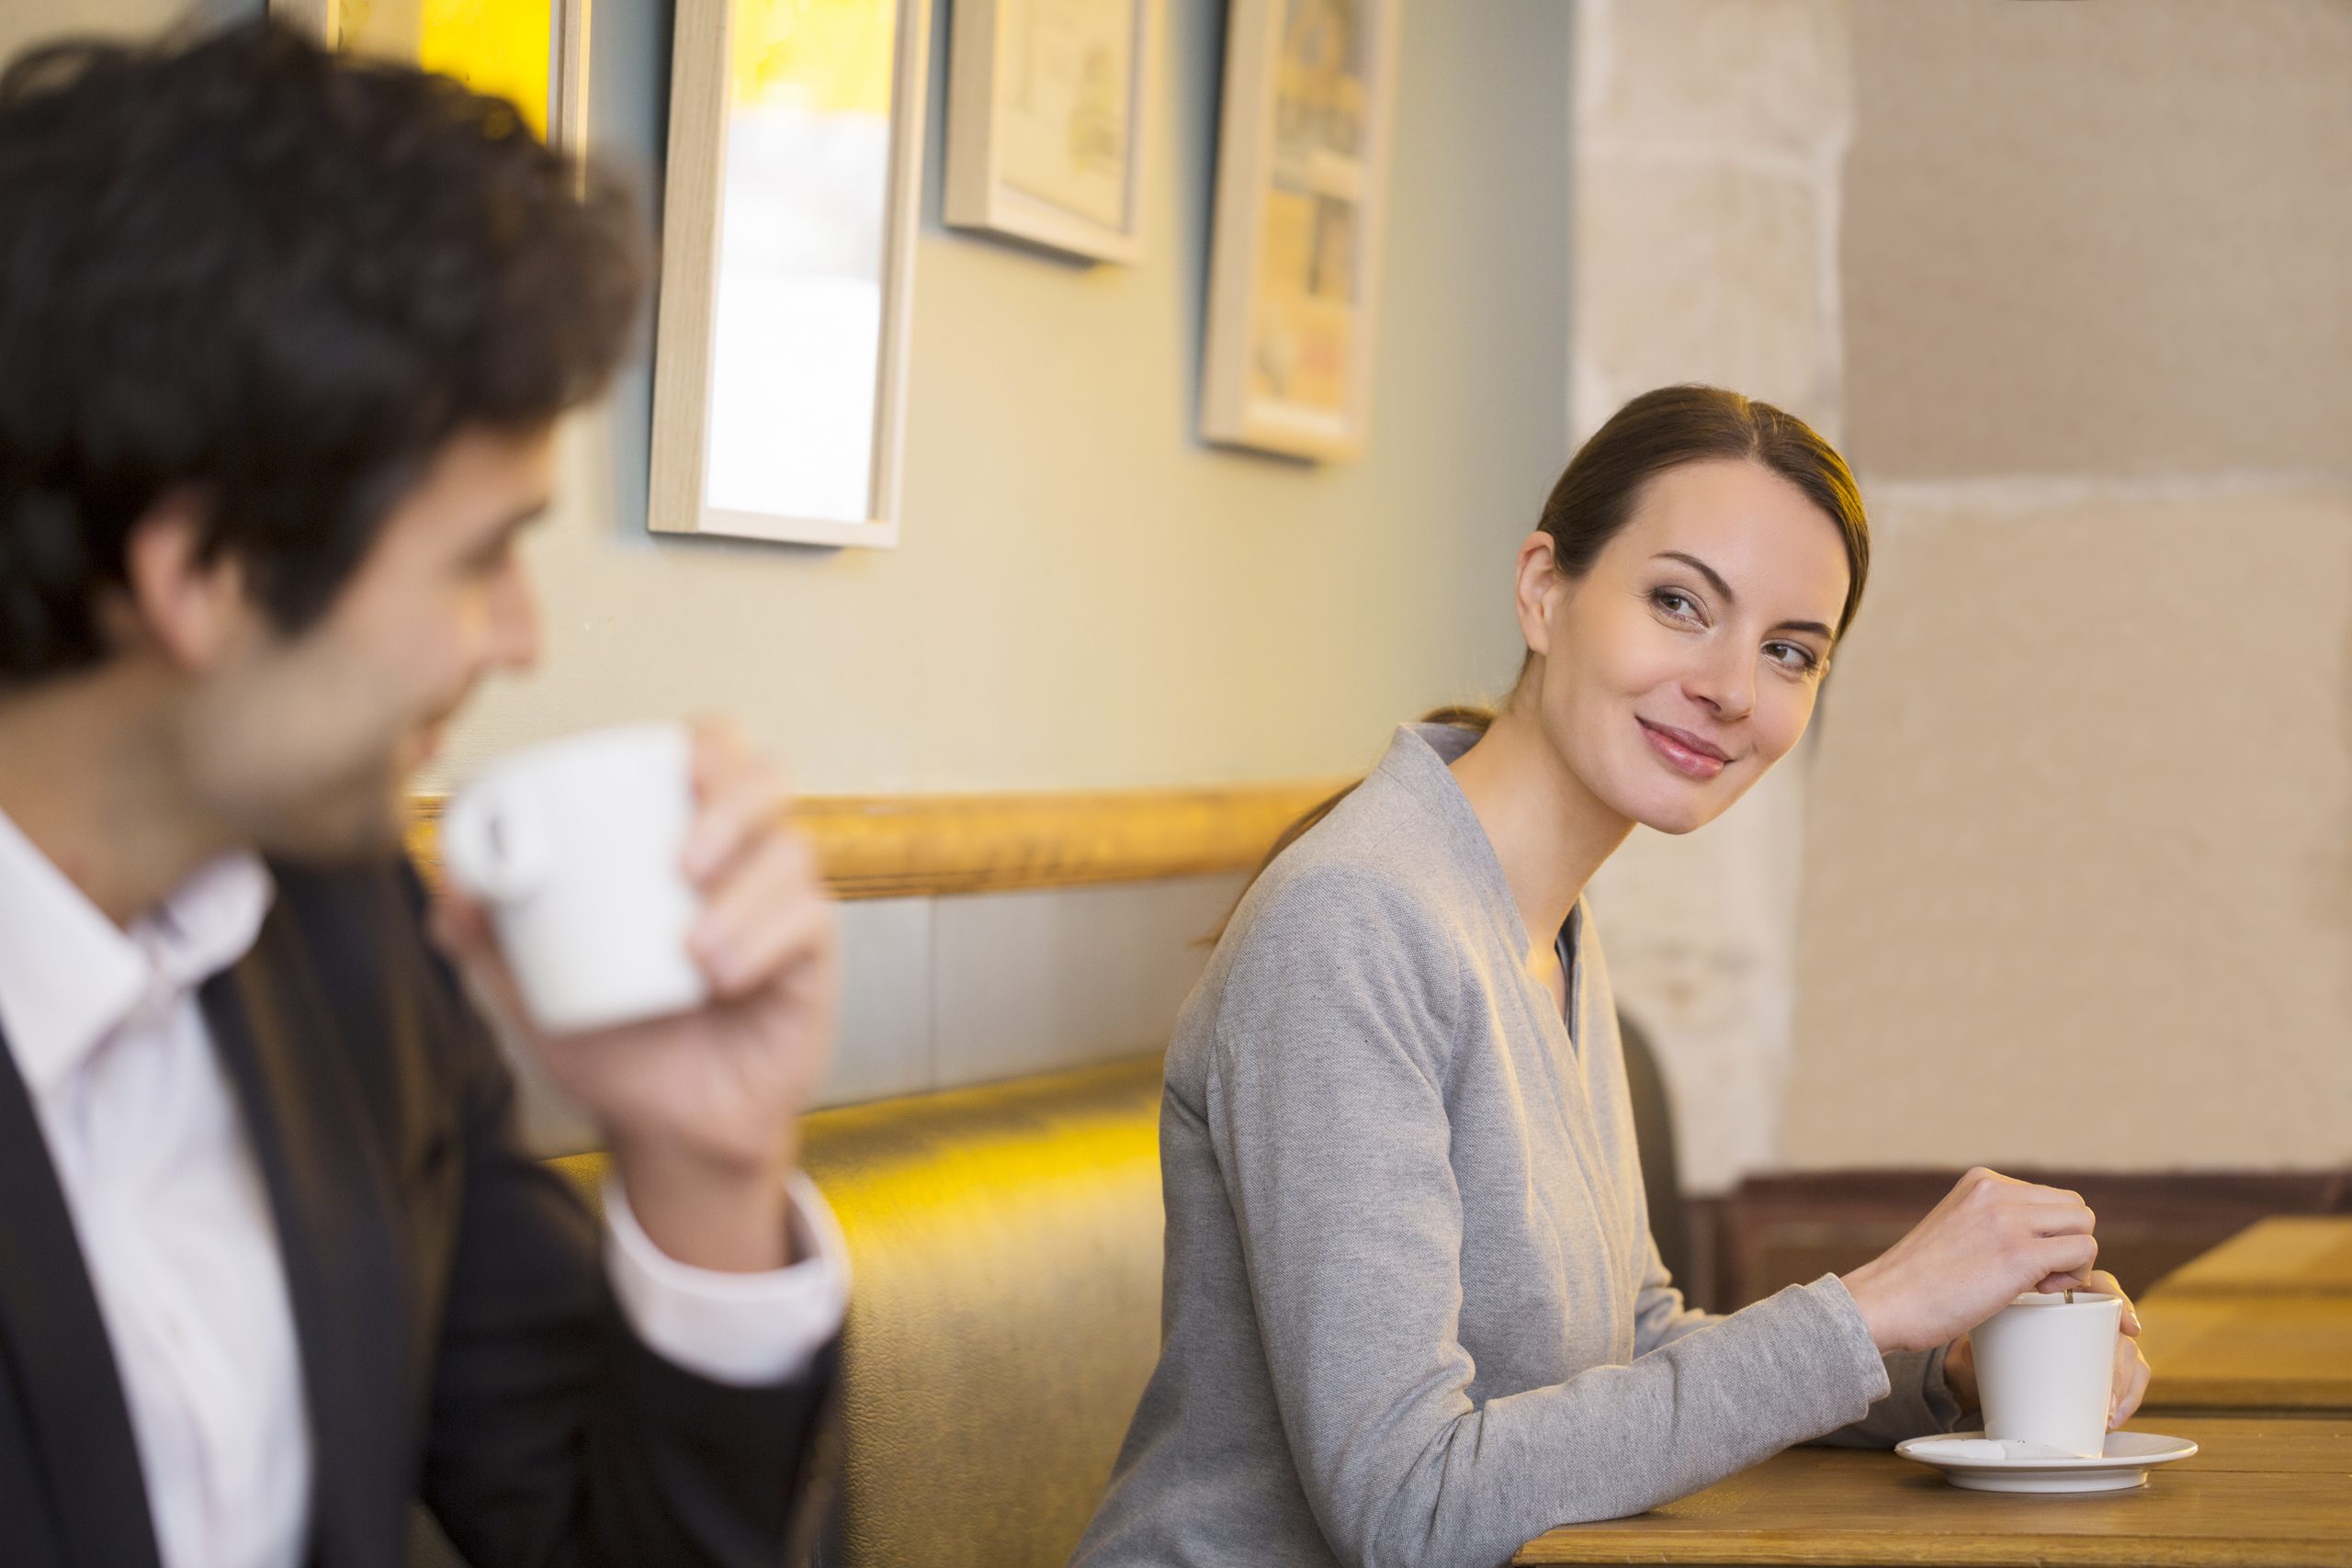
x,y
283,340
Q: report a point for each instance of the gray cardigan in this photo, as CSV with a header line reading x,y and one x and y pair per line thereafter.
x,y
1412,1313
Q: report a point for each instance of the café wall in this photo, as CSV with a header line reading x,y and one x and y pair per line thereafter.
x,y
1708,142
2064,873
1086,596
2078,880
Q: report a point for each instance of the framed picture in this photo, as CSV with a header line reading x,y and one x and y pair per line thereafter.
x,y
787,259
1048,103
1302,164
534,51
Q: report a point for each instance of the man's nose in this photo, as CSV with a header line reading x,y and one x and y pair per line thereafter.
x,y
513,621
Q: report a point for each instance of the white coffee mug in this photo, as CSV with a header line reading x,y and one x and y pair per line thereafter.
x,y
575,845
2045,1371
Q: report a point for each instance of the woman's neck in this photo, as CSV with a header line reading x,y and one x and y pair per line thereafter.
x,y
1549,831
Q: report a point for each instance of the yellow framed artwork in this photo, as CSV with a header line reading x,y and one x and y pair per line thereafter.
x,y
533,52
1302,171
788,237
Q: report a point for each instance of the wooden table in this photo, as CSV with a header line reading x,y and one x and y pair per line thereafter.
x,y
2297,1255
2268,1493
2248,1353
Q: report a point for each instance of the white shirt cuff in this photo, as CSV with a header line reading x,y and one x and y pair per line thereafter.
x,y
748,1330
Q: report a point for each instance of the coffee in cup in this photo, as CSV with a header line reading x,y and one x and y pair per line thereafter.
x,y
576,846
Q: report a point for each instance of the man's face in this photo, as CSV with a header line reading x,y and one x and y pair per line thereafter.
x,y
303,746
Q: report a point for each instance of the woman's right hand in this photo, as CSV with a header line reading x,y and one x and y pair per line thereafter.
x,y
1989,1241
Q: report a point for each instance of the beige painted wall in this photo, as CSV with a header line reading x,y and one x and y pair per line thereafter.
x,y
1085,595
2079,863
2079,888
2112,237
30,21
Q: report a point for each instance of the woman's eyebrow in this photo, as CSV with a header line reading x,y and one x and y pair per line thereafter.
x,y
1714,578
1716,581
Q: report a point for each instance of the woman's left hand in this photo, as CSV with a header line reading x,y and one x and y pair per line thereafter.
x,y
2130,1380
2131,1384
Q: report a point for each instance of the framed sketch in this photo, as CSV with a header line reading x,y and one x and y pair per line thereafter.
x,y
1302,164
1048,106
787,257
534,51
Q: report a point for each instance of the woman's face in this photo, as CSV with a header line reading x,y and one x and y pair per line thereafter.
x,y
1687,661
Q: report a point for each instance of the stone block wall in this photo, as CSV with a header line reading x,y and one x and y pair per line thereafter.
x,y
2078,889
2079,866
2063,875
1708,141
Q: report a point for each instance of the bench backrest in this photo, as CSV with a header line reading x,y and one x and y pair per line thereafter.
x,y
1006,1246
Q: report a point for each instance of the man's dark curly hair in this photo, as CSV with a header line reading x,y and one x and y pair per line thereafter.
x,y
239,268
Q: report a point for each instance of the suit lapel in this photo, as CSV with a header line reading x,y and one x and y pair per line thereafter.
x,y
285,1053
57,1345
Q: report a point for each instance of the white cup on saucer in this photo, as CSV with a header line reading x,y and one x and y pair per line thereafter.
x,y
2045,1370
576,845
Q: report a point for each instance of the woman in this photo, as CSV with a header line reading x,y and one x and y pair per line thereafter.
x,y
1412,1312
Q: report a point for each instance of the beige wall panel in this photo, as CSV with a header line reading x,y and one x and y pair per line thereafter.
x,y
2078,887
2109,237
1707,147
1702,271
27,22
1700,932
1761,78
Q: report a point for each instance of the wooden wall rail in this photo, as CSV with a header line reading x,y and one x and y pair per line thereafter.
x,y
895,846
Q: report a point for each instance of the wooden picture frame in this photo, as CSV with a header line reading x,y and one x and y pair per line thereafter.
x,y
396,28
1049,109
1301,173
750,422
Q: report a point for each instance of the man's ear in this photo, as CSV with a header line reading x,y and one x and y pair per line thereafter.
x,y
1539,583
190,610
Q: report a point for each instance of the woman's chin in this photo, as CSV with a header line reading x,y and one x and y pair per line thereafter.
x,y
1679,811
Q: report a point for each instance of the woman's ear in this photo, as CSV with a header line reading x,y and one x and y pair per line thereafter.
x,y
1539,586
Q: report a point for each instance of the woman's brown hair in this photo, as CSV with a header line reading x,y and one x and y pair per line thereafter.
x,y
1602,486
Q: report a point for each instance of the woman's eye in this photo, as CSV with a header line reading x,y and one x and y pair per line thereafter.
x,y
1791,656
1674,601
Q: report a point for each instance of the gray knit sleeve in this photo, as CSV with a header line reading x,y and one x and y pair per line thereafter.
x,y
1660,1316
1327,1111
1919,1400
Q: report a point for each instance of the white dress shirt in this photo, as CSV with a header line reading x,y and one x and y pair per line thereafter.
x,y
174,1225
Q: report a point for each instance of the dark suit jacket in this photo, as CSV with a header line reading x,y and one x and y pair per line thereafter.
x,y
459,1343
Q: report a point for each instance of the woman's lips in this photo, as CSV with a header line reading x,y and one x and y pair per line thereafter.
x,y
1682,752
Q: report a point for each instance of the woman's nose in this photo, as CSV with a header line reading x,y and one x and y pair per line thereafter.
x,y
1727,684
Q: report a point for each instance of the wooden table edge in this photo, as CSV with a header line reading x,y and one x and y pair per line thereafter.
x,y
1834,1548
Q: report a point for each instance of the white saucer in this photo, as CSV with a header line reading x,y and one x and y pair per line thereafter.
x,y
1974,1460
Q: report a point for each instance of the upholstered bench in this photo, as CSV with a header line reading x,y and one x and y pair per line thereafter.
x,y
1006,1248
